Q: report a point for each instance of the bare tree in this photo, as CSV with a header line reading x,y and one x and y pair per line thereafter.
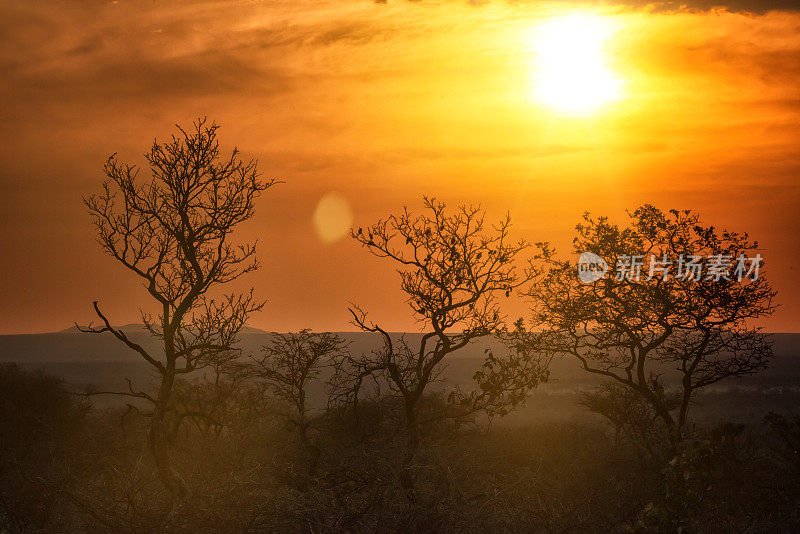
x,y
631,415
453,268
632,328
173,231
289,363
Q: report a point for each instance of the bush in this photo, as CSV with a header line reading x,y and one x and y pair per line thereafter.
x,y
41,425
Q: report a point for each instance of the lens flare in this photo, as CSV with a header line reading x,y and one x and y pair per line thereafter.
x,y
332,218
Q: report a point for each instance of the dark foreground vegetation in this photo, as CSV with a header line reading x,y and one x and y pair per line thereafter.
x,y
228,441
68,468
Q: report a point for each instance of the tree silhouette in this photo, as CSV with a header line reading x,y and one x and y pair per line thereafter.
x,y
629,329
631,415
453,269
173,231
288,364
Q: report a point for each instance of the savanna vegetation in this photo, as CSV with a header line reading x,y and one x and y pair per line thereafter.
x,y
227,441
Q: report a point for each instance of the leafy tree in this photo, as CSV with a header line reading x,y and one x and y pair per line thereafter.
x,y
173,231
631,329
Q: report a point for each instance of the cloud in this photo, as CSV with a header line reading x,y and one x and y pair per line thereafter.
x,y
750,6
383,103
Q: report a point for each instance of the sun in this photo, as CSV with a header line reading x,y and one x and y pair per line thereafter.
x,y
570,71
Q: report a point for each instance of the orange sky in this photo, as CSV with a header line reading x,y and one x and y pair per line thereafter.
x,y
373,105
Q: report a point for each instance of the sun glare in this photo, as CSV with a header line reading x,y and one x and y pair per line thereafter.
x,y
571,75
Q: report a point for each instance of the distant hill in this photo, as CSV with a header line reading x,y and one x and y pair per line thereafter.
x,y
71,345
139,328
101,359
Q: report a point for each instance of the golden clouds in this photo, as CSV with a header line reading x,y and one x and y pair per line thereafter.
x,y
385,102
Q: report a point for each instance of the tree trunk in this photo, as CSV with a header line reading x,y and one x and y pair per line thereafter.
x,y
687,397
159,440
312,450
412,446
